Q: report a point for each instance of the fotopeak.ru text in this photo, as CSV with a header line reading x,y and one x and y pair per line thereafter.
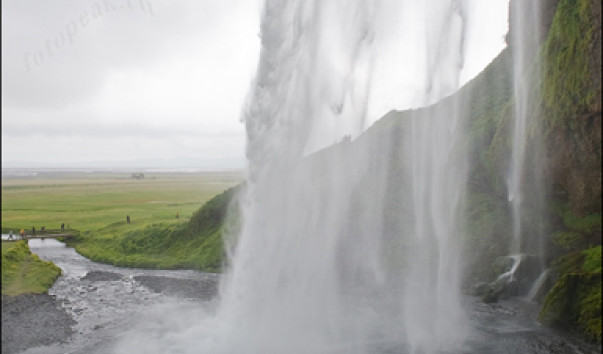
x,y
70,31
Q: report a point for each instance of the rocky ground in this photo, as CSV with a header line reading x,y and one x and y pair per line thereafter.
x,y
186,288
40,320
33,320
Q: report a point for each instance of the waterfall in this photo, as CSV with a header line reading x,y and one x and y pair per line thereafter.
x,y
525,36
286,291
317,268
539,284
438,166
524,183
354,247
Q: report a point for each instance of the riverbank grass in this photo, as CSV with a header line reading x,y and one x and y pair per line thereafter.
x,y
23,272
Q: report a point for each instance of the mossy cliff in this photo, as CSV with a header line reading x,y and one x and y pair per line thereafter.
x,y
563,165
572,123
562,175
561,210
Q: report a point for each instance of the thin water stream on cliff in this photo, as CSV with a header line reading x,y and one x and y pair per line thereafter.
x,y
108,302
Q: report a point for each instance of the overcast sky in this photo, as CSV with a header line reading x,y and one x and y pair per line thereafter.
x,y
157,83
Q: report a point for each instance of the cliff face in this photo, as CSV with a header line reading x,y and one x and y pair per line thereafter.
x,y
561,213
572,121
572,103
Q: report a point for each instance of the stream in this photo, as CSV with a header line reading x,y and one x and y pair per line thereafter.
x,y
109,303
105,301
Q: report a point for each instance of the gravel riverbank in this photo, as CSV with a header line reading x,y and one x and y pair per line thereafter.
x,y
33,320
30,321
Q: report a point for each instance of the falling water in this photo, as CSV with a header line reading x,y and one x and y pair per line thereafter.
x,y
432,314
316,268
354,248
539,284
525,28
525,185
285,291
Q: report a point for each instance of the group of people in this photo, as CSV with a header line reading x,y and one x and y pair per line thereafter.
x,y
11,235
22,233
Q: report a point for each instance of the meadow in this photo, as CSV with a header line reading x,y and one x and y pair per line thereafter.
x,y
90,202
94,207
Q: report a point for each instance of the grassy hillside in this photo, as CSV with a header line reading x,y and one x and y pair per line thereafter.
x,y
94,208
196,244
93,202
23,272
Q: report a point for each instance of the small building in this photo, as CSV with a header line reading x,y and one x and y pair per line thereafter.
x,y
138,175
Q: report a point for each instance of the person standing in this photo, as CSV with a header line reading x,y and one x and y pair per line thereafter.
x,y
128,219
62,226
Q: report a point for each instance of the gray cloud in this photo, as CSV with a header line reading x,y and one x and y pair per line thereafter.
x,y
164,80
127,73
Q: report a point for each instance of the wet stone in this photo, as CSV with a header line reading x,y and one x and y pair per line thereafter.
x,y
98,275
204,289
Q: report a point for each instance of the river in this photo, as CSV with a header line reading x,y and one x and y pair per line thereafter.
x,y
106,301
109,304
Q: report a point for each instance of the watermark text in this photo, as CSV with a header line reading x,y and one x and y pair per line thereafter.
x,y
68,34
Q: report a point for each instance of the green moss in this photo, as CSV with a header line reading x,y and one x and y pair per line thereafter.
x,y
567,90
590,312
592,261
568,240
587,224
575,232
575,300
569,263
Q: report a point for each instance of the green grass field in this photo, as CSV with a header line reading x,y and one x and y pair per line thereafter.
x,y
94,208
97,201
